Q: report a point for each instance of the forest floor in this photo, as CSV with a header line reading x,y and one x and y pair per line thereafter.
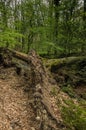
x,y
15,113
30,98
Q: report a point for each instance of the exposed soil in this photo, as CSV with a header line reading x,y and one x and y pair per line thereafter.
x,y
81,91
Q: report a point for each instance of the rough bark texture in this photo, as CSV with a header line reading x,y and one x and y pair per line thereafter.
x,y
32,76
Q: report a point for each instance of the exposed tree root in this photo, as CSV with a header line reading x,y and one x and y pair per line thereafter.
x,y
38,87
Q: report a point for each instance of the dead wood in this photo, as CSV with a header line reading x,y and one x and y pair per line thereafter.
x,y
37,82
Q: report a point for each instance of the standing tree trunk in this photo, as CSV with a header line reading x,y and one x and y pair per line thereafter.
x,y
4,13
84,28
84,17
56,4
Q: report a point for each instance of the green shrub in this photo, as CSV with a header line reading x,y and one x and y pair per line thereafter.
x,y
68,89
74,117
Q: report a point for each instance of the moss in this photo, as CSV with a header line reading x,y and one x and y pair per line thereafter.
x,y
53,91
74,116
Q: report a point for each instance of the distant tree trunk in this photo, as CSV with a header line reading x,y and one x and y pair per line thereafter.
x,y
56,4
51,19
30,41
4,13
22,26
83,48
84,17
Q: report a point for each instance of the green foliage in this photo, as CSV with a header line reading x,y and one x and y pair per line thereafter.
x,y
49,27
69,90
10,38
74,116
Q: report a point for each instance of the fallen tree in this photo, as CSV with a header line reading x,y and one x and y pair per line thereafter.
x,y
38,87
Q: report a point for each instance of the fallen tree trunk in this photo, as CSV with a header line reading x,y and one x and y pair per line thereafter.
x,y
38,87
61,62
68,71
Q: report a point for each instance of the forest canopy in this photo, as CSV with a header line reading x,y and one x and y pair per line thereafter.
x,y
51,27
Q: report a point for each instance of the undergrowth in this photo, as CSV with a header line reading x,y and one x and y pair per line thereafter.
x,y
74,116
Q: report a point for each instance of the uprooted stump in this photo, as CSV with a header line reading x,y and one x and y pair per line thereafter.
x,y
30,67
5,57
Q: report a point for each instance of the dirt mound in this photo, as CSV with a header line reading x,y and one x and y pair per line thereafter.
x,y
26,102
